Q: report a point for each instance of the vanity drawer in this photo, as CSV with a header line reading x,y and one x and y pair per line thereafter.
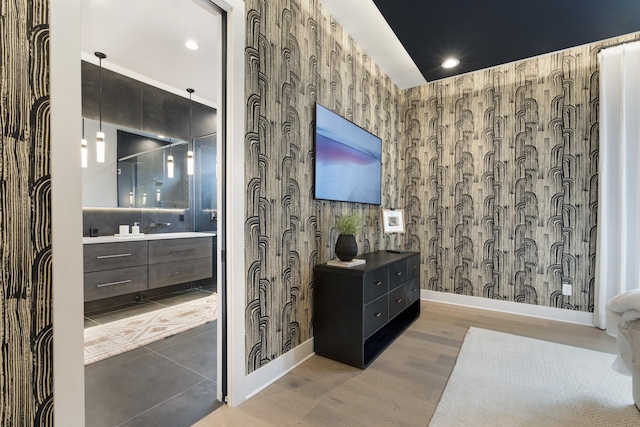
x,y
105,284
397,274
171,250
107,256
376,283
172,273
397,301
376,314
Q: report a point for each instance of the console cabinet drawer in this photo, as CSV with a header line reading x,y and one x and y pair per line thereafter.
x,y
413,290
179,249
397,301
413,267
172,273
108,256
376,314
376,283
397,274
110,283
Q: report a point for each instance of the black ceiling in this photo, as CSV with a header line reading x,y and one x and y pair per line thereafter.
x,y
483,34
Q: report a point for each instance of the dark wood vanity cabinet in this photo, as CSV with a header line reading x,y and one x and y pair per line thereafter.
x,y
119,268
179,261
112,269
359,311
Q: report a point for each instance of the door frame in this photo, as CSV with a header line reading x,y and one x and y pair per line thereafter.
x,y
66,207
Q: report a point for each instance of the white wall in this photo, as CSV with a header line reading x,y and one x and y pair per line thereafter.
x,y
66,110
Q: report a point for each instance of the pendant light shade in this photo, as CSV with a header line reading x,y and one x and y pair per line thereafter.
x,y
100,147
169,166
190,160
84,153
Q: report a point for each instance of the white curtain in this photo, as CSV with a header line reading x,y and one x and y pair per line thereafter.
x,y
618,241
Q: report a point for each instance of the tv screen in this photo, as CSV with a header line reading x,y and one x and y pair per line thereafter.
x,y
348,160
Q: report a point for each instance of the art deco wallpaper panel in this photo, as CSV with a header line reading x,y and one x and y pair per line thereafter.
x,y
25,216
502,173
297,55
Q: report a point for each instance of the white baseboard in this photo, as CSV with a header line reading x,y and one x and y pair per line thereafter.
x,y
569,316
278,368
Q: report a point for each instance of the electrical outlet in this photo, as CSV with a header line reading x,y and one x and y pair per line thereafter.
x,y
566,289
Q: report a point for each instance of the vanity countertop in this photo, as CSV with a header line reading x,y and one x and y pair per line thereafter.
x,y
156,236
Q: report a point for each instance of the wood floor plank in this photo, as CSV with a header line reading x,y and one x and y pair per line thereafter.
x,y
400,388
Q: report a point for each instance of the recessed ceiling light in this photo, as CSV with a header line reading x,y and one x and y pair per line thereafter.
x,y
191,45
450,63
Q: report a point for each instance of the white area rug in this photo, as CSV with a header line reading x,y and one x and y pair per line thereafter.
x,y
110,339
506,380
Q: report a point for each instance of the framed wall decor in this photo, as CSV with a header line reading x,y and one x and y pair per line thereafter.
x,y
393,220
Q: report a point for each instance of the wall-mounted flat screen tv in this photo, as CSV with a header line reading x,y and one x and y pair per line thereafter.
x,y
348,160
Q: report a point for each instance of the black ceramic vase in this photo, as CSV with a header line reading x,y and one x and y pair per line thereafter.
x,y
346,247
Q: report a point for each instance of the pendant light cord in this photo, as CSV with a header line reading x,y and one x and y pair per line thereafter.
x,y
100,96
190,108
100,56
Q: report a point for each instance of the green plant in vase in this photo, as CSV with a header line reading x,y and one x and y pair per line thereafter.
x,y
347,226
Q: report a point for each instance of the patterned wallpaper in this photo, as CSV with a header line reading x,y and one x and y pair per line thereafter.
x,y
496,171
503,167
297,55
26,332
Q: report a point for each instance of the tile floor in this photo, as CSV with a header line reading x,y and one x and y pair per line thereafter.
x,y
171,382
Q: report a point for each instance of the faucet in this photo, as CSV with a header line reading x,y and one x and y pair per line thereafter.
x,y
159,224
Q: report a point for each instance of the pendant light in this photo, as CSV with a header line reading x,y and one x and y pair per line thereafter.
x,y
100,136
83,148
190,161
170,161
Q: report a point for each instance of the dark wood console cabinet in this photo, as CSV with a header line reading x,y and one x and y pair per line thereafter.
x,y
359,311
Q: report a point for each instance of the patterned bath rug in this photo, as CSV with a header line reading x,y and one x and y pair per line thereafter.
x,y
111,339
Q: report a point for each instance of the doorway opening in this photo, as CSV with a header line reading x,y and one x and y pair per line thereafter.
x,y
150,68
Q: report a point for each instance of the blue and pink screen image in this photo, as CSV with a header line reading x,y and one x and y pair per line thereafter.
x,y
348,160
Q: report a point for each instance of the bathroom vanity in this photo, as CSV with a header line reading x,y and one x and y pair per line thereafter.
x,y
122,265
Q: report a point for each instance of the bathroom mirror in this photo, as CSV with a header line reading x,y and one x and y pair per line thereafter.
x,y
136,171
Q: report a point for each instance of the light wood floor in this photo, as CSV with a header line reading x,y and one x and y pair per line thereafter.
x,y
400,388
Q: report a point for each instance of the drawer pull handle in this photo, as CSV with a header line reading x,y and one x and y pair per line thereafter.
x,y
378,314
112,256
399,300
121,282
378,283
415,266
399,273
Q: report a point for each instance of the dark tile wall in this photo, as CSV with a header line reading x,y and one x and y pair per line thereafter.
x,y
136,105
107,220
